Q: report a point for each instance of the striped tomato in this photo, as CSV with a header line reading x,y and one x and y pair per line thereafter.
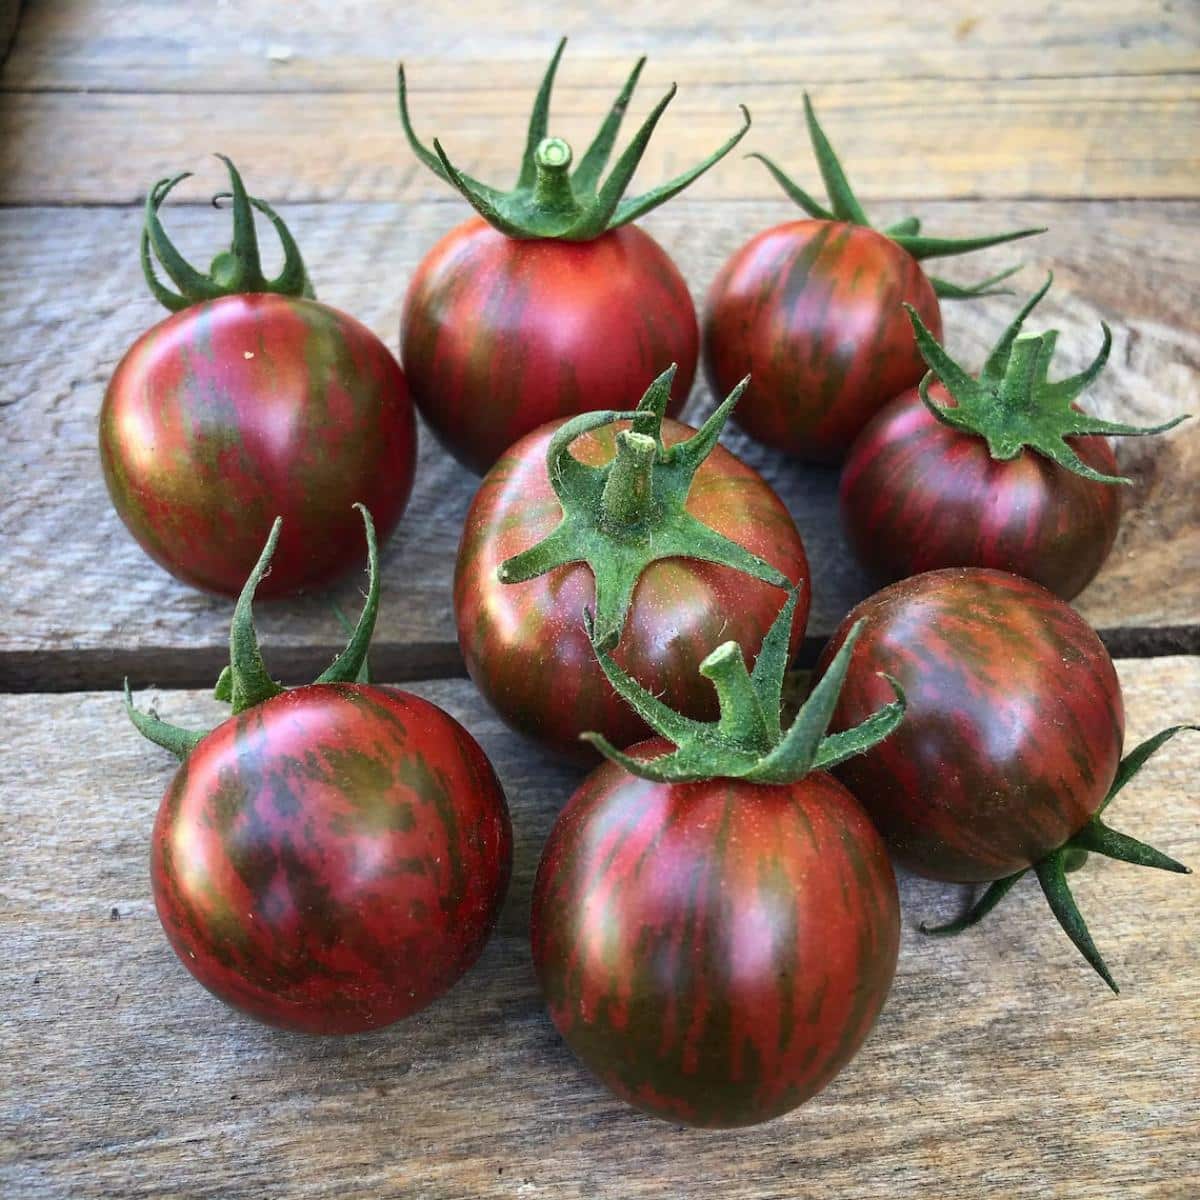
x,y
551,303
332,857
523,639
252,401
813,312
978,472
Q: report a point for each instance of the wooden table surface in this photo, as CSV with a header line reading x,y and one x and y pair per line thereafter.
x,y
1000,1066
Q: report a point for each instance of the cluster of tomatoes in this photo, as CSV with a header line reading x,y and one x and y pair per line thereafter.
x,y
715,919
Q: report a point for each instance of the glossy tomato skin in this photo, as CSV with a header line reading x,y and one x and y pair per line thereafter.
x,y
525,645
714,952
1013,729
332,860
238,410
917,495
500,336
812,312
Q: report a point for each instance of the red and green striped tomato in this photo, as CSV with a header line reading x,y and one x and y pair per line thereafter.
x,y
917,495
501,335
714,952
238,410
333,859
1013,728
811,311
525,644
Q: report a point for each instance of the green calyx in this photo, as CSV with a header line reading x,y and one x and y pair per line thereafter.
x,y
844,206
246,681
1013,405
550,200
747,740
621,517
235,271
1094,838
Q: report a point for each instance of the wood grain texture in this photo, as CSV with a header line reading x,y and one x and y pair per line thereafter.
x,y
77,585
1001,1065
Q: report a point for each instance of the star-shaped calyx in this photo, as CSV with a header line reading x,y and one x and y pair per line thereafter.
x,y
246,681
1095,837
622,516
1013,404
844,206
549,199
747,741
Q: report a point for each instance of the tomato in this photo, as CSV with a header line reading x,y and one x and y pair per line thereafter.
x,y
501,336
917,494
332,860
1014,724
715,952
244,406
551,303
524,643
812,311
332,857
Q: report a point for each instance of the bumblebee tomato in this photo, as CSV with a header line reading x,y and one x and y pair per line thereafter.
x,y
250,401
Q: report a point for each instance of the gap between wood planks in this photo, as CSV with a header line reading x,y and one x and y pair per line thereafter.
x,y
168,667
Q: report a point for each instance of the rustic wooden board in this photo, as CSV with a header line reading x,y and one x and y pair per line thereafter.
x,y
1001,1064
77,585
1128,135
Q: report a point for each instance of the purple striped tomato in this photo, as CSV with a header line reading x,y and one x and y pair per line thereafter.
x,y
813,311
549,303
333,857
253,400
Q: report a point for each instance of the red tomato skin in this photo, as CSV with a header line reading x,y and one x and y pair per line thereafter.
x,y
811,311
1013,730
500,336
917,495
525,645
332,860
238,410
714,952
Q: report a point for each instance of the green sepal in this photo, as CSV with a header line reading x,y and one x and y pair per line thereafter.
x,y
245,682
622,516
747,740
1094,838
1013,405
234,271
844,206
550,200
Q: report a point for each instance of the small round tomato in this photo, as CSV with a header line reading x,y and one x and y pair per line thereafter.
x,y
1014,724
550,304
251,401
501,336
333,859
813,312
917,495
525,644
715,952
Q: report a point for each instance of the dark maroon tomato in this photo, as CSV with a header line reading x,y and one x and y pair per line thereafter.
x,y
240,409
333,859
812,311
917,495
525,644
500,335
1013,729
715,952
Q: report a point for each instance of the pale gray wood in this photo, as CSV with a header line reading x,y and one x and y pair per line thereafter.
x,y
77,586
1001,1065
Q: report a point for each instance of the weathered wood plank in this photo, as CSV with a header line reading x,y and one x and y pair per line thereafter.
x,y
1085,138
77,586
302,45
1000,1061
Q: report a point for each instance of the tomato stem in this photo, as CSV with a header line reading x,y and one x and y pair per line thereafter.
x,y
628,496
